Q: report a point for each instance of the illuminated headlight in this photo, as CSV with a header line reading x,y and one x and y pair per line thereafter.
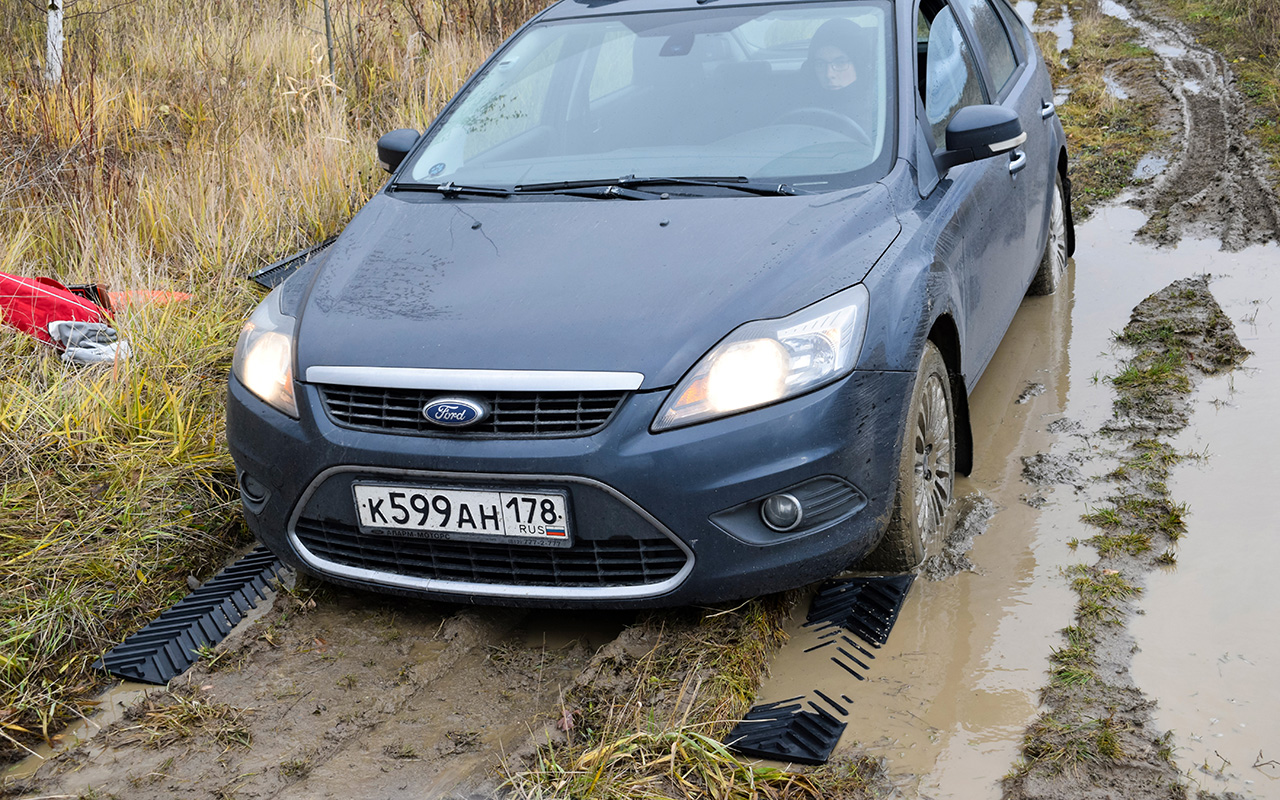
x,y
766,361
264,355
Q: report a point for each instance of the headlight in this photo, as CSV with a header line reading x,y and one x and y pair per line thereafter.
x,y
264,355
769,360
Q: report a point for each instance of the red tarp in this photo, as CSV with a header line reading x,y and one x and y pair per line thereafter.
x,y
30,304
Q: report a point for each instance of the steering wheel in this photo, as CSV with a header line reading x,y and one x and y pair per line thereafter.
x,y
831,120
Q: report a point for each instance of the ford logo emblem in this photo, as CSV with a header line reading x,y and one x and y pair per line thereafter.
x,y
455,412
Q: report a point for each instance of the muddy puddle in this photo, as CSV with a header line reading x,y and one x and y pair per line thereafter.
x,y
1208,649
1063,28
948,698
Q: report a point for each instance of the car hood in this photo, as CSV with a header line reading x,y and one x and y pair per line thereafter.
x,y
572,284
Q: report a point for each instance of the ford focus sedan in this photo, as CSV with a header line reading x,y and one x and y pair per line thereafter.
x,y
676,302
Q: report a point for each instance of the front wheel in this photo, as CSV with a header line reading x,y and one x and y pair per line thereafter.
x,y
926,472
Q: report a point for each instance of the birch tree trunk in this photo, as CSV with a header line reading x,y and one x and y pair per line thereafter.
x,y
53,45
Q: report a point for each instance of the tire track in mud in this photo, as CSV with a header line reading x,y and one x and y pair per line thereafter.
x,y
352,696
1217,183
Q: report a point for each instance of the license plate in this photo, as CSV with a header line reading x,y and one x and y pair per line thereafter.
x,y
474,515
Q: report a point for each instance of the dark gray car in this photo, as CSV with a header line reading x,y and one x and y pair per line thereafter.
x,y
675,302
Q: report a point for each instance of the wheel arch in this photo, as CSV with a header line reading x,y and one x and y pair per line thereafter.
x,y
946,338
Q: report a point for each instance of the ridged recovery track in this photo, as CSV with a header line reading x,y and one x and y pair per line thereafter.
x,y
272,275
852,612
166,647
783,732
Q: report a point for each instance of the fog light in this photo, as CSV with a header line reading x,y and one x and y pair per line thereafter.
x,y
252,488
782,512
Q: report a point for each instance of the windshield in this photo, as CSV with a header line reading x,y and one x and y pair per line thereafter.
x,y
795,94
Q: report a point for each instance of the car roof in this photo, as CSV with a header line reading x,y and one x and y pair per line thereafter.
x,y
591,8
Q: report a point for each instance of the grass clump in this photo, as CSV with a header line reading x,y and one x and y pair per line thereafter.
x,y
1063,745
1133,543
1075,663
183,712
1152,370
1103,518
653,727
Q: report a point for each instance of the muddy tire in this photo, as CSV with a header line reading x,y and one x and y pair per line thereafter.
x,y
926,472
1053,264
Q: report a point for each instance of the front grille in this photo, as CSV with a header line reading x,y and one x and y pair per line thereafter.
x,y
531,414
620,561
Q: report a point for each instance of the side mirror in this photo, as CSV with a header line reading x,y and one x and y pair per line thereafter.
x,y
394,146
978,132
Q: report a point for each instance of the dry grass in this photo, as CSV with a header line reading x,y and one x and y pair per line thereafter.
x,y
183,712
186,145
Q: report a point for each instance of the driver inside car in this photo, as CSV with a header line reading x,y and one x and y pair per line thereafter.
x,y
831,71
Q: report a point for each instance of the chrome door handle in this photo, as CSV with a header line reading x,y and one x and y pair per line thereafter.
x,y
1018,162
1048,110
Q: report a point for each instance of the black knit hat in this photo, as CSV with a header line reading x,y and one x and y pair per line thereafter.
x,y
845,35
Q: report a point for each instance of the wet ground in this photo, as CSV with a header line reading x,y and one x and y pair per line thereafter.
x,y
948,698
1208,649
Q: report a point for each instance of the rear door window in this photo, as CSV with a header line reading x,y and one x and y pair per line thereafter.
x,y
993,40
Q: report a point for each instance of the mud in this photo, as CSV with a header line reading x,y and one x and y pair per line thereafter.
x,y
972,517
360,697
946,699
1047,469
951,696
1057,20
1205,650
352,696
1032,390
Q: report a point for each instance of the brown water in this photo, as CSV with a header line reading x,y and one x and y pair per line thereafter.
x,y
1209,648
949,696
111,706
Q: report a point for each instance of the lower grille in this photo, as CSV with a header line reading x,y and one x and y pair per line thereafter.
x,y
620,561
529,414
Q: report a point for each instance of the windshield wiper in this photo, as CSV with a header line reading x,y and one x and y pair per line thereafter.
x,y
737,183
601,191
451,189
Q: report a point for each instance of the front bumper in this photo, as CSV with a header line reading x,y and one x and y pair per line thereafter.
x,y
658,519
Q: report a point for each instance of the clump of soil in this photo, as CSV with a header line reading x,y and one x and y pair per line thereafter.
x,y
1047,469
972,517
1031,390
1098,730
